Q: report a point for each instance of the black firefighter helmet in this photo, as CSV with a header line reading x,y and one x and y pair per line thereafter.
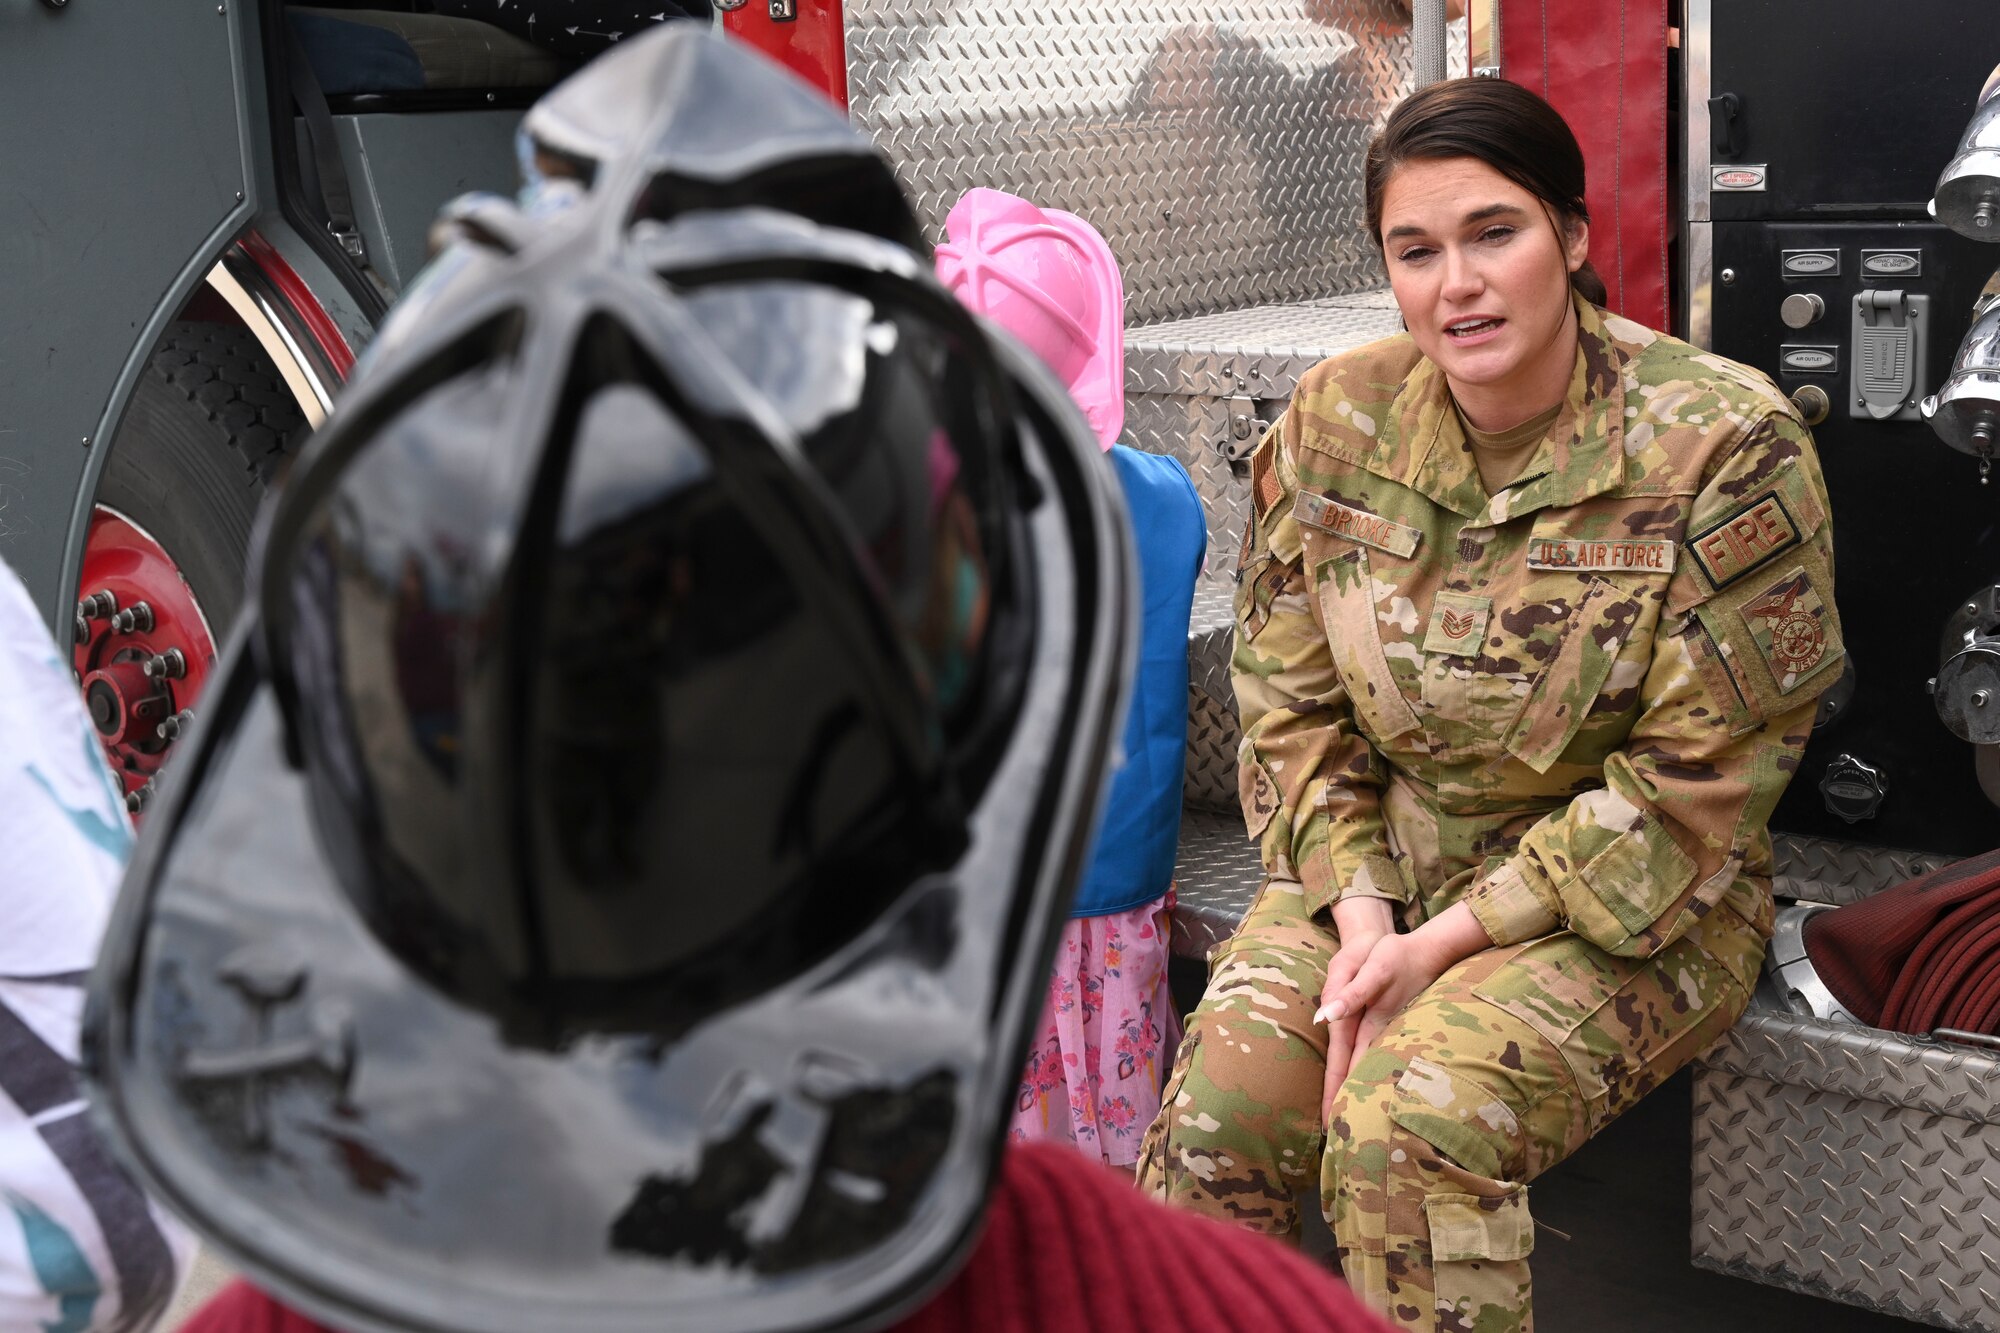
x,y
611,884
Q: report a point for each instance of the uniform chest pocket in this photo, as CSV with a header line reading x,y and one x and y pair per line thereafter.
x,y
1346,591
1562,695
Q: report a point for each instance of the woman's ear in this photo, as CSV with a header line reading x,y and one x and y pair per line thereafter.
x,y
1576,243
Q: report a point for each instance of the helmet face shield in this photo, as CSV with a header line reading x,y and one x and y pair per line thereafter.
x,y
611,886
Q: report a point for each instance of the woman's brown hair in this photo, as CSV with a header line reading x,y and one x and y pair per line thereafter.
x,y
1501,124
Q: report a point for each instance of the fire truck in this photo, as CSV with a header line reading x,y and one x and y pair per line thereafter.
x,y
204,215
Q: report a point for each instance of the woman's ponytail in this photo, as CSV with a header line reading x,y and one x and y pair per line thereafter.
x,y
1589,285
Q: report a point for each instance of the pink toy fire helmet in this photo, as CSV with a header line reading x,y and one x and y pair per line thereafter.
x,y
1049,279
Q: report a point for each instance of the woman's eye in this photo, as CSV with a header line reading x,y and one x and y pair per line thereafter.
x,y
1415,254
1498,232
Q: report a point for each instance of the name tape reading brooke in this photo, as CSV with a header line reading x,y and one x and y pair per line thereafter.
x,y
1355,524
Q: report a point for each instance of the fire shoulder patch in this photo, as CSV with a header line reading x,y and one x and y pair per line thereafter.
x,y
1789,623
1746,541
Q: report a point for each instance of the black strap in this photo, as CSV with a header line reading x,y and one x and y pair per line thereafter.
x,y
329,173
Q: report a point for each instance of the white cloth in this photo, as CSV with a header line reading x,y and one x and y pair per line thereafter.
x,y
80,1247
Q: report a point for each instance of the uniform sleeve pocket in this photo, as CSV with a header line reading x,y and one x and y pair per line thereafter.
x,y
1759,584
1782,638
1639,875
1261,581
1257,790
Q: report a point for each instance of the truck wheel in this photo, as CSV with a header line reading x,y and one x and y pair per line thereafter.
x,y
209,425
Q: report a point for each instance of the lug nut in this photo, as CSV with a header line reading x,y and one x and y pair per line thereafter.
x,y
82,629
170,665
137,619
135,800
100,605
175,725
1979,698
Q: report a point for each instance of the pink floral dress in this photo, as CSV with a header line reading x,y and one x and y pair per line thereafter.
x,y
1094,1072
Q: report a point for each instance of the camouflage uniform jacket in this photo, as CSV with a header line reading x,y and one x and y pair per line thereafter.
x,y
1572,704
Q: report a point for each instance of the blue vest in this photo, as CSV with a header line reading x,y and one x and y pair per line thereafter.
x,y
1133,861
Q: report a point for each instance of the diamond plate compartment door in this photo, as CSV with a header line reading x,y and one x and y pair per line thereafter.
x,y
1850,1164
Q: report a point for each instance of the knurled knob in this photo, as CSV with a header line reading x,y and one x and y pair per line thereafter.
x,y
1801,309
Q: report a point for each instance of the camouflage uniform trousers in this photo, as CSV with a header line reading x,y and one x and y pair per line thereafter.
x,y
1498,1071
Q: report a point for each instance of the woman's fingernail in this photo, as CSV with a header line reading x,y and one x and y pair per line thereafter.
x,y
1320,1014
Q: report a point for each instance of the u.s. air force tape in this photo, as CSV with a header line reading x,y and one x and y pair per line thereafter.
x,y
1357,525
1648,555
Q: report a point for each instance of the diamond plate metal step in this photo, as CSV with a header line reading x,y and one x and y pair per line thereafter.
x,y
1853,1165
1216,875
1213,735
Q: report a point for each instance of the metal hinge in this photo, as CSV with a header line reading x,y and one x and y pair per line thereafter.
x,y
1241,440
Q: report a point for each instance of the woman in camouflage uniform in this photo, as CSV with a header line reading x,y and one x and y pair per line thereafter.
x,y
1530,623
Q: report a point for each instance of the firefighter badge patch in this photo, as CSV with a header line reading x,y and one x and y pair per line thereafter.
x,y
1458,623
1788,623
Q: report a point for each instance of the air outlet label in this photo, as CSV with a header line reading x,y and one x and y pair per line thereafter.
x,y
1803,359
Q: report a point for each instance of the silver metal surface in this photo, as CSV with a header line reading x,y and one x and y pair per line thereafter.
x,y
1216,876
1851,1164
279,330
1976,617
1968,192
1427,26
1965,412
1967,694
1218,148
1482,24
1791,971
1812,403
1696,49
1213,733
1186,379
1701,284
1820,870
1801,308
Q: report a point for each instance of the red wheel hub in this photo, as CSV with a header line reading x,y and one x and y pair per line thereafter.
x,y
143,648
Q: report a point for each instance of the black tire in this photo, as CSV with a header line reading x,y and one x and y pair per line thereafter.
x,y
209,427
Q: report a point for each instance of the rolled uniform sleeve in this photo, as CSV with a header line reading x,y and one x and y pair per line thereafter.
x,y
1747,641
1310,783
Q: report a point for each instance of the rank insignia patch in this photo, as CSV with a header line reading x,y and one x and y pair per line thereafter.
x,y
1788,623
1744,540
1458,624
1357,525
